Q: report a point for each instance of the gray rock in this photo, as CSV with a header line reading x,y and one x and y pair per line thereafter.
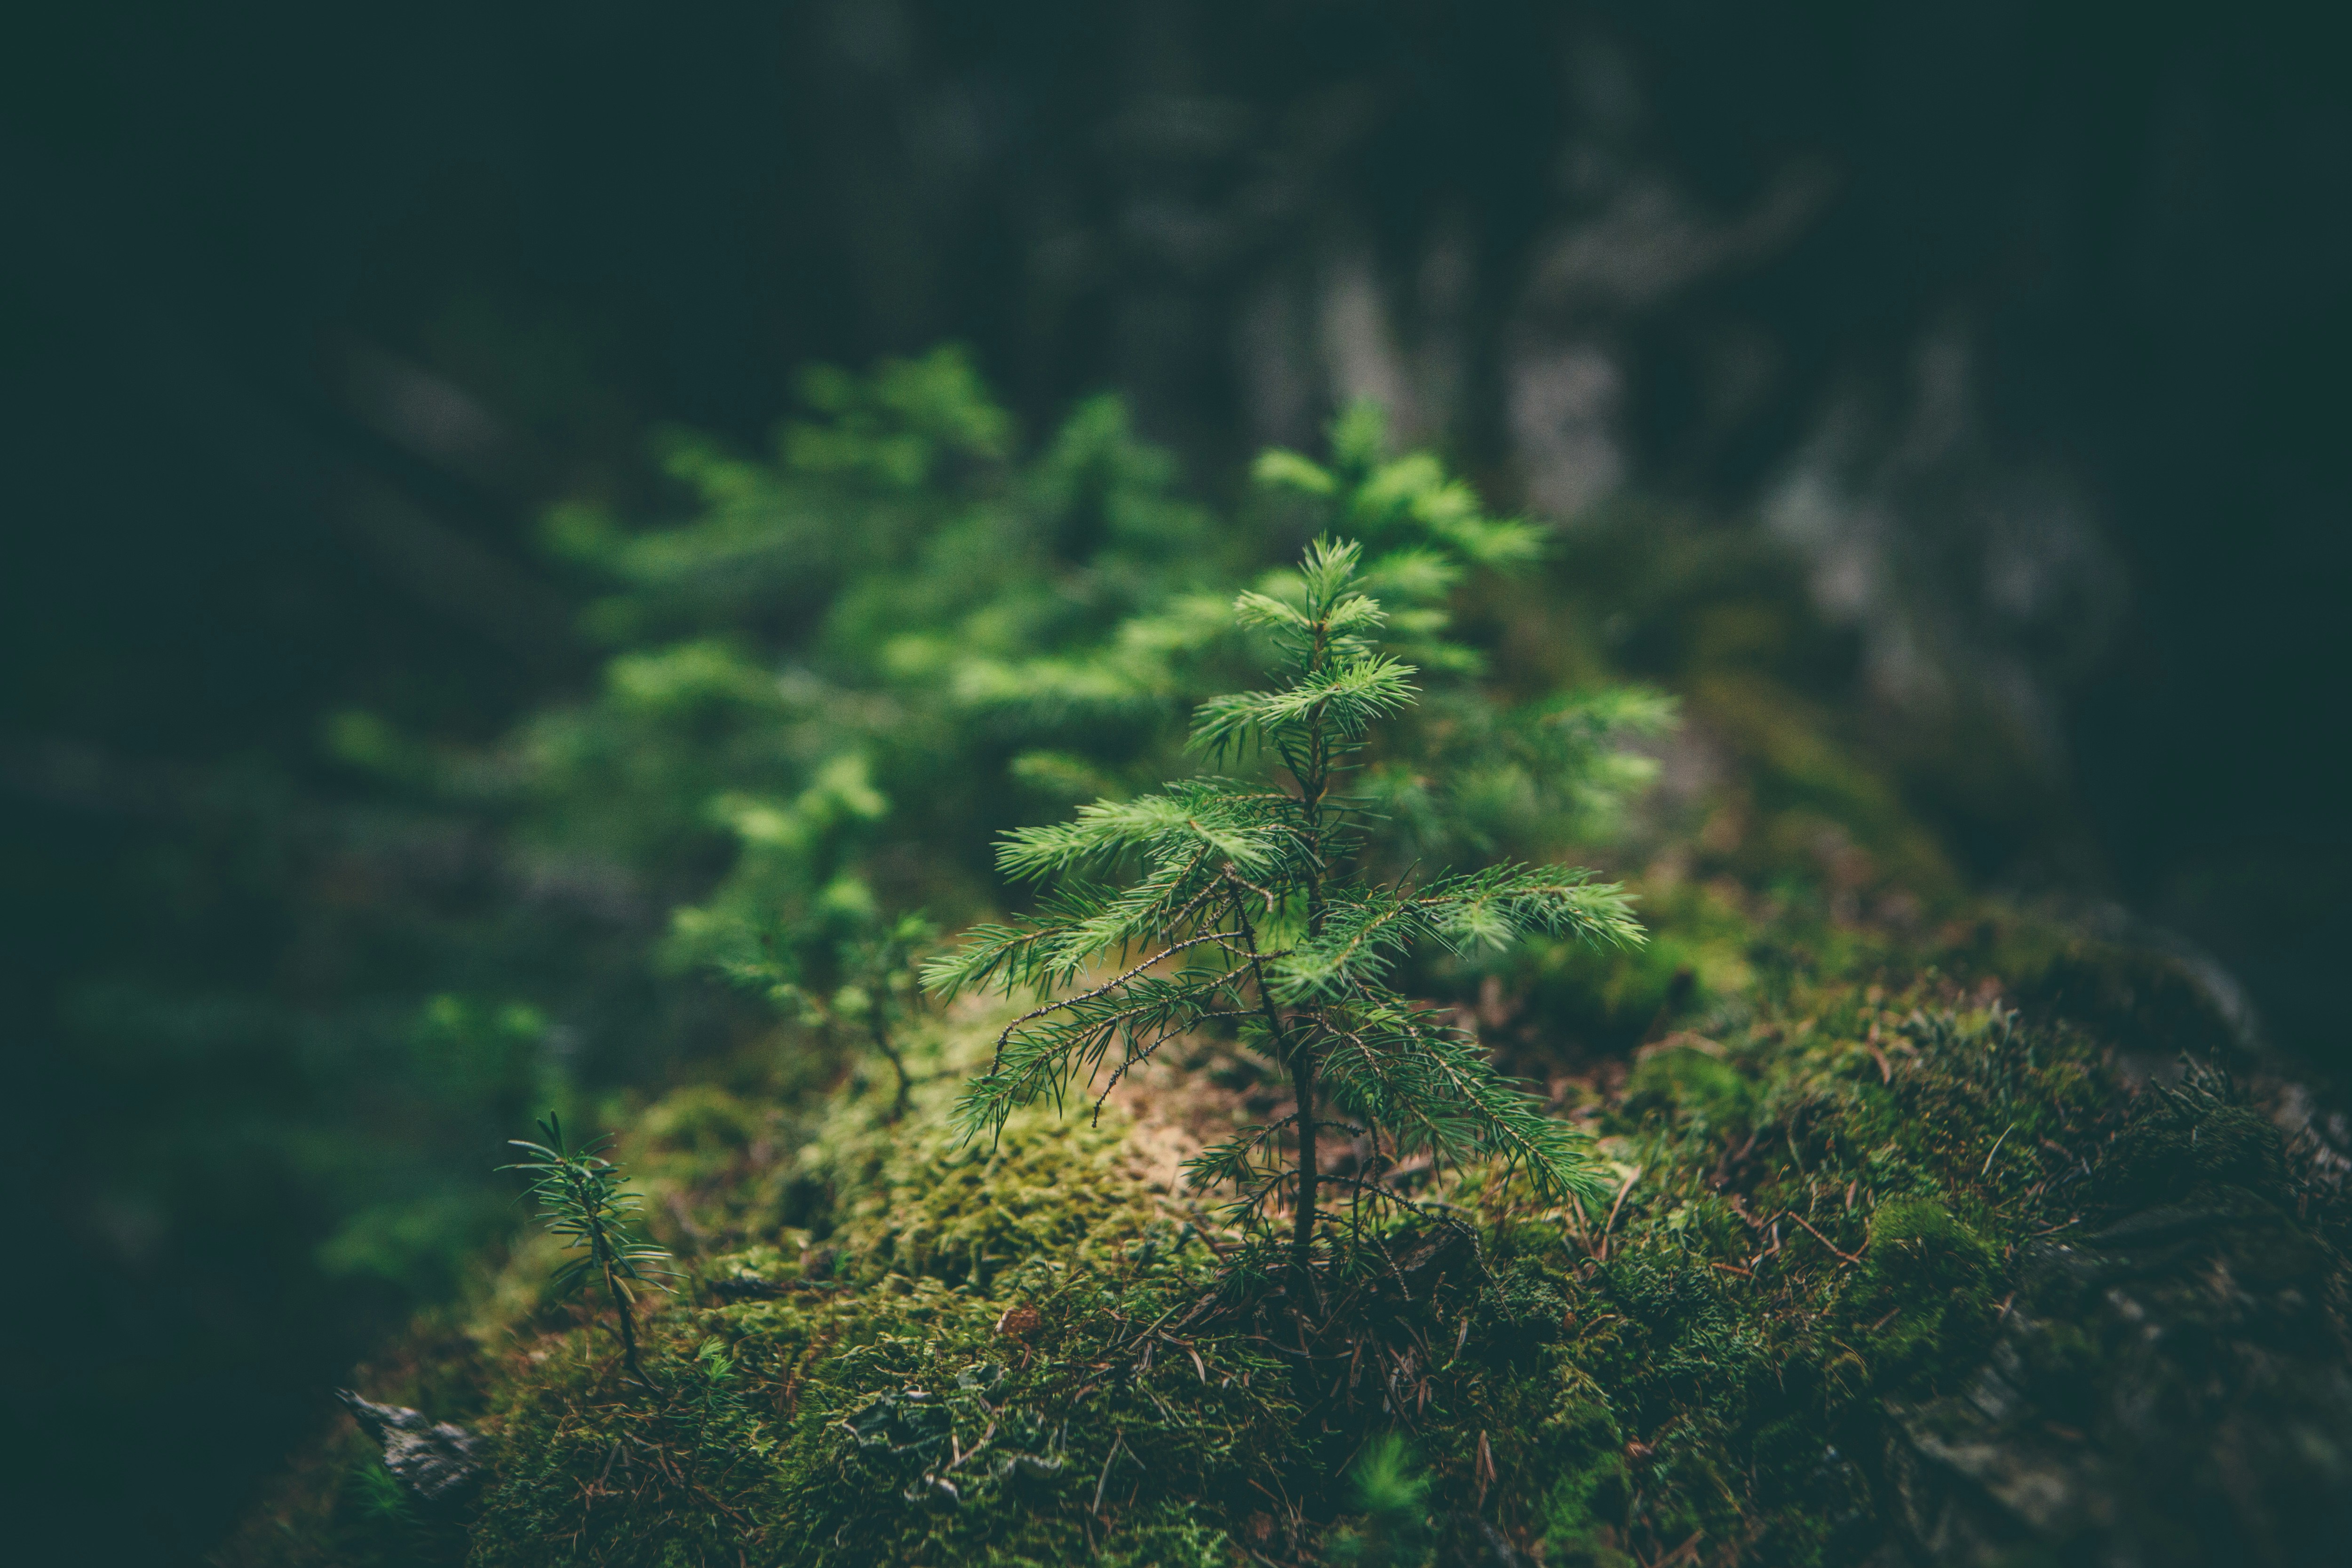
x,y
438,1463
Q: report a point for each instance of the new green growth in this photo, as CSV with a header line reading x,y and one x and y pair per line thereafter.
x,y
580,1199
1248,907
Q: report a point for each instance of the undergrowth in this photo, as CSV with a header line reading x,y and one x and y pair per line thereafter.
x,y
896,1346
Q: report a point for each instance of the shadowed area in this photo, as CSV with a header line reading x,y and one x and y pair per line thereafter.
x,y
1942,404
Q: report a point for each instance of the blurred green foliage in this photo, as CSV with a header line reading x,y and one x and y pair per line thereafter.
x,y
826,686
827,676
849,665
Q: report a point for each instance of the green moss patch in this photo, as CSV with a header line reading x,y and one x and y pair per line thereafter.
x,y
1837,1207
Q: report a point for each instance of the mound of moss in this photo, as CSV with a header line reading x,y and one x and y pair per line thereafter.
x,y
1895,1270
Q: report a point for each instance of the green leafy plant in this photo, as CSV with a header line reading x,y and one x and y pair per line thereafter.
x,y
580,1199
1393,1495
1248,906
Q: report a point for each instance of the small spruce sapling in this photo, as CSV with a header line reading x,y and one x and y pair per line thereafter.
x,y
866,982
580,1199
882,988
1248,906
1393,1495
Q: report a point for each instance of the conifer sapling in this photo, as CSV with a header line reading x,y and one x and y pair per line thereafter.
x,y
1244,905
881,990
580,1199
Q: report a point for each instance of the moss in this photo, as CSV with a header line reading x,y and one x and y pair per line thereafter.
x,y
907,1376
1523,1309
701,1122
1693,1086
1166,1536
1578,1514
2152,1002
2183,1149
2169,1386
1922,1300
940,1353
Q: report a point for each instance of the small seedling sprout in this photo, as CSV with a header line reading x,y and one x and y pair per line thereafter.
x,y
580,1199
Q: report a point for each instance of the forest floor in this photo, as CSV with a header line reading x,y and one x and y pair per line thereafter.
x,y
1968,1250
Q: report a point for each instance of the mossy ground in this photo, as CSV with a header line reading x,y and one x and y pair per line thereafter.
x,y
895,1347
1912,1257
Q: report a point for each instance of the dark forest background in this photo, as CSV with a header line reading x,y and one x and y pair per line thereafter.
x,y
2020,327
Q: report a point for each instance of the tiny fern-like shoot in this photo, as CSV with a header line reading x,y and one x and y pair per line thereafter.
x,y
580,1199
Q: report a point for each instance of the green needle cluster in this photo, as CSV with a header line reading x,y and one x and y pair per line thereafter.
x,y
1246,906
580,1199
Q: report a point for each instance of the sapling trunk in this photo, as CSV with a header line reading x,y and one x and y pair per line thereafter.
x,y
1296,1052
624,1308
1302,1238
1313,781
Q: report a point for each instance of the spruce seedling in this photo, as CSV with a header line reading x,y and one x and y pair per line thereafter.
x,y
883,988
869,982
1393,1494
1247,907
580,1199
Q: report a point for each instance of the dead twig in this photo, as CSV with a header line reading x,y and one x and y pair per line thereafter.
x,y
1104,1480
1824,1240
1631,1177
1996,1149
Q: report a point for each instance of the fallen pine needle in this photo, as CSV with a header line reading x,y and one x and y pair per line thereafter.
x,y
1824,1240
